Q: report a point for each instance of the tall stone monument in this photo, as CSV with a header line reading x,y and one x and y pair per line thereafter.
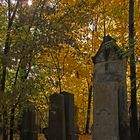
x,y
110,97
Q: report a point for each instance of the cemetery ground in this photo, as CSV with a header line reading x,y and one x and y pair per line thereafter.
x,y
41,137
80,137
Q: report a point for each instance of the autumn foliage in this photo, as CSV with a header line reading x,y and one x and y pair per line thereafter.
x,y
50,44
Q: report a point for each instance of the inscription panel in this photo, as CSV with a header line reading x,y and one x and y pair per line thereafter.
x,y
105,126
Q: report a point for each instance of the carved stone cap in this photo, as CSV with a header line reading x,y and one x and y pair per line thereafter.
x,y
108,50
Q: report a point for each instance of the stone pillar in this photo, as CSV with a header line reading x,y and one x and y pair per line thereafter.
x,y
29,125
61,117
69,115
110,97
57,129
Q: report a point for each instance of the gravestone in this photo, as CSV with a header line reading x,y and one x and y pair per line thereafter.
x,y
57,128
29,124
61,117
69,115
110,97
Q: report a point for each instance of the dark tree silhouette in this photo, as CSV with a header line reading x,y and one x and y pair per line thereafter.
x,y
133,109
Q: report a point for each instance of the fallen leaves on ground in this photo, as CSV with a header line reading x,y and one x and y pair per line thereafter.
x,y
85,137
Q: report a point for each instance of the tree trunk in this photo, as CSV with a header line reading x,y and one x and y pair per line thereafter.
x,y
133,109
2,88
4,126
12,118
88,109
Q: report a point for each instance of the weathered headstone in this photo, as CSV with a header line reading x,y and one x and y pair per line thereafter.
x,y
61,117
57,129
69,115
110,98
29,124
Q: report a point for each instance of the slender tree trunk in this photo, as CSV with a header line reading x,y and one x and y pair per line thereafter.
x,y
4,126
88,109
12,118
133,109
11,16
3,81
